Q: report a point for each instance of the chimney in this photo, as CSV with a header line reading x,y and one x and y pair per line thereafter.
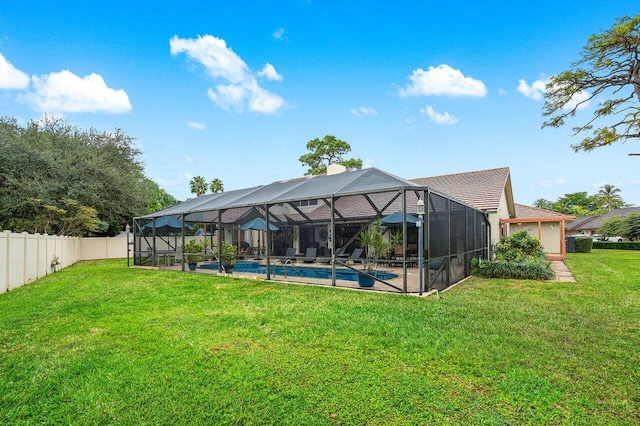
x,y
335,169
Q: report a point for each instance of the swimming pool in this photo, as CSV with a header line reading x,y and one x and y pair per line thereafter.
x,y
320,272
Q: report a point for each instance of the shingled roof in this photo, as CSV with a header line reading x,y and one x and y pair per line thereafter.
x,y
481,189
593,223
523,211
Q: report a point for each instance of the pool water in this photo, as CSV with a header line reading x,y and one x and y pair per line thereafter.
x,y
298,271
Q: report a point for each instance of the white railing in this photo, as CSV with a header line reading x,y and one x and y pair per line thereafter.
x,y
27,257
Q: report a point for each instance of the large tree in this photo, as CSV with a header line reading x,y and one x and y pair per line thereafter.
x,y
198,185
57,178
326,151
216,186
610,198
610,69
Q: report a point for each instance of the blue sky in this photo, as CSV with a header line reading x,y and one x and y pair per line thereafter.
x,y
235,89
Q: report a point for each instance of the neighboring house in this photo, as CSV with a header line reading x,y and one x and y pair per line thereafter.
x,y
590,225
487,190
548,226
490,191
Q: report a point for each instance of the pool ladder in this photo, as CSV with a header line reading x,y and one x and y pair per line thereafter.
x,y
284,263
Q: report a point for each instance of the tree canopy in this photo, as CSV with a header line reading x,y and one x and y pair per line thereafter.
x,y
216,186
609,67
627,226
582,204
58,179
198,185
326,151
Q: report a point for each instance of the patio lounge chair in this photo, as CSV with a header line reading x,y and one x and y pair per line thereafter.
x,y
290,255
310,255
355,256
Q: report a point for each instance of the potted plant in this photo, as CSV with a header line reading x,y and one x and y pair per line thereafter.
x,y
376,247
194,253
228,258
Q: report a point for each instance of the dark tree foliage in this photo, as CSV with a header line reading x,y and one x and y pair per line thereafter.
x,y
610,69
326,151
56,178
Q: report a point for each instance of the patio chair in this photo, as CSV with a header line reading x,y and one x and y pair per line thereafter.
x,y
355,256
290,255
245,249
310,255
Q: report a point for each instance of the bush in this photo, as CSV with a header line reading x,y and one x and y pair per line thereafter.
x,y
584,244
518,256
610,245
531,269
519,246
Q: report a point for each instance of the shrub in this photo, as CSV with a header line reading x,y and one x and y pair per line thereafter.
x,y
584,244
625,245
518,256
531,269
519,246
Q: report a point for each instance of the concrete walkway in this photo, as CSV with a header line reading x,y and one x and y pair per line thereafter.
x,y
563,273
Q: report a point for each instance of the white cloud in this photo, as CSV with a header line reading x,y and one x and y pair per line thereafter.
x,y
66,92
535,91
189,176
581,96
239,88
189,159
551,182
538,88
270,73
218,60
363,111
442,80
11,77
439,118
196,125
279,33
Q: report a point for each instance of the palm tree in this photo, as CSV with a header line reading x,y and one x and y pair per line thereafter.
x,y
609,197
198,185
216,186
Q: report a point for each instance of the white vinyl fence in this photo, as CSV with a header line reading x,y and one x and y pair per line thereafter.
x,y
26,257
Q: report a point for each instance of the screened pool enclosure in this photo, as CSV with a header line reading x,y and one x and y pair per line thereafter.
x,y
308,230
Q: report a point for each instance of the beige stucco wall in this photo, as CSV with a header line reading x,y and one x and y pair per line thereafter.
x,y
548,233
494,219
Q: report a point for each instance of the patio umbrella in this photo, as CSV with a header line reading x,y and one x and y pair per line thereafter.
x,y
258,224
165,225
396,219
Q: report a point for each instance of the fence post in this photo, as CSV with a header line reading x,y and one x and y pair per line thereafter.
x,y
25,234
7,236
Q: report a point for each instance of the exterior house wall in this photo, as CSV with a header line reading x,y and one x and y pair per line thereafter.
x,y
546,232
494,220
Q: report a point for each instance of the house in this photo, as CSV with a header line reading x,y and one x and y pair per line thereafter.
x,y
490,191
548,226
487,190
590,225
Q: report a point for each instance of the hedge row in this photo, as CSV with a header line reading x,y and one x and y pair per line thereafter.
x,y
611,245
525,269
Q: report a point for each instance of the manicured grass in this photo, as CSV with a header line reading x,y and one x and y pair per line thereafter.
x,y
102,344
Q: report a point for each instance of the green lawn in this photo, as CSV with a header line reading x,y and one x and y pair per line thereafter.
x,y
102,344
